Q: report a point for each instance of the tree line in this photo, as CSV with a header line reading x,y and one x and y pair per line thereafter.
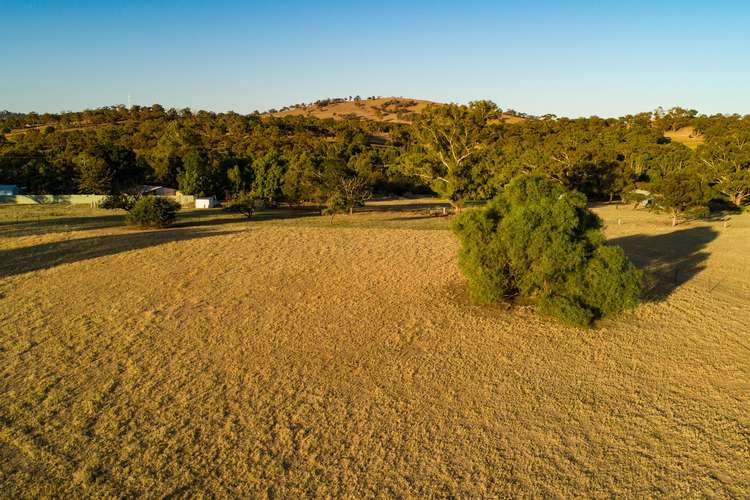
x,y
461,152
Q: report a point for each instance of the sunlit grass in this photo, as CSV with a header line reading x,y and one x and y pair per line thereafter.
x,y
287,356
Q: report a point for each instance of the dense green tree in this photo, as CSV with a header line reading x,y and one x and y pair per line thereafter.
x,y
301,181
200,175
94,175
537,243
269,172
683,192
727,158
239,177
107,168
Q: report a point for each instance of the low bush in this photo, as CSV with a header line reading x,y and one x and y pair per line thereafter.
x,y
538,243
242,203
153,211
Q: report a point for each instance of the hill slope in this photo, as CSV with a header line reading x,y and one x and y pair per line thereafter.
x,y
384,109
387,109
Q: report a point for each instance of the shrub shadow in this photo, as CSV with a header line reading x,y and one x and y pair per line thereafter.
x,y
47,255
669,260
220,216
43,225
48,224
405,207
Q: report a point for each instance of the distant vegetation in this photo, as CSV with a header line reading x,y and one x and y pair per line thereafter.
x,y
460,152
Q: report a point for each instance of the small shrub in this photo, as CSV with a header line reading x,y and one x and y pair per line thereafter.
x,y
153,211
243,203
537,243
335,203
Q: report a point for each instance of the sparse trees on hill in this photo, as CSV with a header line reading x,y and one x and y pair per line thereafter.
x,y
300,182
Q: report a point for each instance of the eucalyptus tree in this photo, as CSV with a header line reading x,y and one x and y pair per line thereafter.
x,y
450,142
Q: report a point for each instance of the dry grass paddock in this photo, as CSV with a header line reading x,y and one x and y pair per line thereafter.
x,y
289,357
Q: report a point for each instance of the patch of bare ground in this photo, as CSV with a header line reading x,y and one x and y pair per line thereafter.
x,y
687,136
290,357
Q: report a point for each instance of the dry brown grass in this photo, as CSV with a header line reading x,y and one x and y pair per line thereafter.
x,y
290,357
365,109
687,136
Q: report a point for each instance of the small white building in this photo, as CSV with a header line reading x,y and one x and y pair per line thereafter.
x,y
206,202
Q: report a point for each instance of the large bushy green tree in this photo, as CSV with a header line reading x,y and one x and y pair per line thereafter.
x,y
200,175
536,242
683,192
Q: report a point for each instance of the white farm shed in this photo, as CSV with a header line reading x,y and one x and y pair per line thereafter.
x,y
206,202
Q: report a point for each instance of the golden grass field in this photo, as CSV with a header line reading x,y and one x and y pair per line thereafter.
x,y
288,357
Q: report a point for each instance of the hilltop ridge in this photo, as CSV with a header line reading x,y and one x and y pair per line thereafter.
x,y
383,109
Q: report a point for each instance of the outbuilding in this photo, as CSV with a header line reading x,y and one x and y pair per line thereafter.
x,y
206,202
8,190
642,198
159,191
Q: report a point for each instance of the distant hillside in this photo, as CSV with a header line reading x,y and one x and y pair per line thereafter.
x,y
385,109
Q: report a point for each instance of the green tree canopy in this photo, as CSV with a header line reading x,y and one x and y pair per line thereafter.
x,y
537,243
450,142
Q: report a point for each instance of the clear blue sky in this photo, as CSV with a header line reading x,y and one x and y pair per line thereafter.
x,y
570,58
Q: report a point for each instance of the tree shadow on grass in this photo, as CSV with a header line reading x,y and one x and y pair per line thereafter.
x,y
49,224
47,255
406,207
212,217
45,225
667,260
